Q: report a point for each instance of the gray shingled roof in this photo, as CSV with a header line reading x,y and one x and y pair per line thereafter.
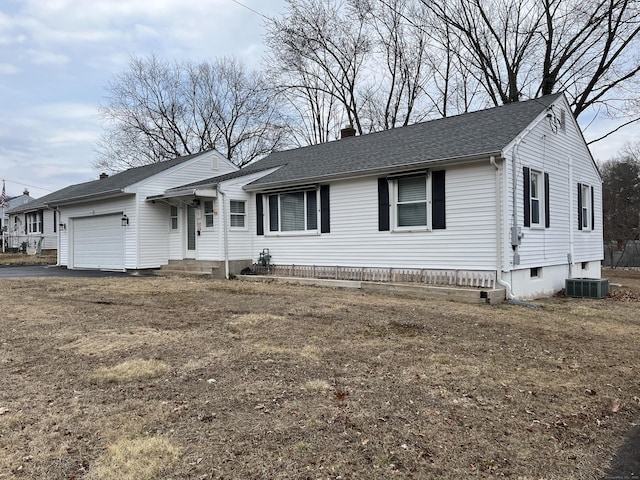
x,y
110,186
485,132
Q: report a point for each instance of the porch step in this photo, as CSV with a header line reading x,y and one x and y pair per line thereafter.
x,y
192,267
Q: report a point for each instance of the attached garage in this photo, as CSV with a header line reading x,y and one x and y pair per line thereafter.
x,y
98,242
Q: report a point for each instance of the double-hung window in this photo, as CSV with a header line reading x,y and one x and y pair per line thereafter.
x,y
208,213
238,213
411,204
536,197
537,211
293,211
173,214
586,218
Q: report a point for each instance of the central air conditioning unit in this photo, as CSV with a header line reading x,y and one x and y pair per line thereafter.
x,y
587,287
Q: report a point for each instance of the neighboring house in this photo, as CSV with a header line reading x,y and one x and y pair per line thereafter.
x,y
509,196
25,225
11,203
108,224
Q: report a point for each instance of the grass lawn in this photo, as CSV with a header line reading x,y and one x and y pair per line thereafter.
x,y
184,378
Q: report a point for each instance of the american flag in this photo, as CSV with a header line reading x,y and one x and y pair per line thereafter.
x,y
4,196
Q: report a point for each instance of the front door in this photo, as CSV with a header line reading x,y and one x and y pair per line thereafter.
x,y
191,232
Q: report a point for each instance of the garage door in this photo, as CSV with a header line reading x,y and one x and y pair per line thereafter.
x,y
98,242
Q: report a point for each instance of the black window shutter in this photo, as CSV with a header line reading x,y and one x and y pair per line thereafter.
x,y
438,203
325,224
526,183
547,209
26,225
593,210
383,204
579,206
259,215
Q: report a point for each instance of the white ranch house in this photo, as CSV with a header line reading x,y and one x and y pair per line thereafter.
x,y
507,197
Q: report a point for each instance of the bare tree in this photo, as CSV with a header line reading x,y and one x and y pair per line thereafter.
x,y
317,54
353,61
621,200
528,48
157,110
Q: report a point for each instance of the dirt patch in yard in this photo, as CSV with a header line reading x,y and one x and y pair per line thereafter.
x,y
199,379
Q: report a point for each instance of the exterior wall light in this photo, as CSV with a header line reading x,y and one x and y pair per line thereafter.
x,y
124,220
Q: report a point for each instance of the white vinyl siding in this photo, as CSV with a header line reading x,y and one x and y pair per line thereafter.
x,y
467,242
567,161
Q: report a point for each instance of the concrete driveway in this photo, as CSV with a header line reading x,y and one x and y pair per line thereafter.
x,y
53,271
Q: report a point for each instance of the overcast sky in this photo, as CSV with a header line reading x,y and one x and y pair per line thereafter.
x,y
56,57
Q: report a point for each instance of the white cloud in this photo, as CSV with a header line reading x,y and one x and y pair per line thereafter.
x,y
60,54
8,69
41,57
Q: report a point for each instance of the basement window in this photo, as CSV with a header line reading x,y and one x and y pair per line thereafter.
x,y
535,272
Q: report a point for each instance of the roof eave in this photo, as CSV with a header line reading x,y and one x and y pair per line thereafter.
x,y
374,171
85,198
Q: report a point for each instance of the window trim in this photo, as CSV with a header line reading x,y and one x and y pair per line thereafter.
x,y
242,215
210,214
586,207
35,219
394,191
269,231
543,199
539,175
173,217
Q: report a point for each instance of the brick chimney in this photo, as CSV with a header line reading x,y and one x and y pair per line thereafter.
x,y
103,176
348,131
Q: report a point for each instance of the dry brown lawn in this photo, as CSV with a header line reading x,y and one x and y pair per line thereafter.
x,y
22,259
181,378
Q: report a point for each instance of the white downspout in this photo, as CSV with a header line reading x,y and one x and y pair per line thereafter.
x,y
225,240
572,218
499,235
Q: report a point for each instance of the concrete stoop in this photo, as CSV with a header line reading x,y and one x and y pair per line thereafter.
x,y
209,268
490,296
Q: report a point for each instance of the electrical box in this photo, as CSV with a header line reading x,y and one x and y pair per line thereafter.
x,y
516,236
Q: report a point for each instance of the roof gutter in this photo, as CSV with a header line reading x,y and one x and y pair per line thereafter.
x,y
83,198
374,171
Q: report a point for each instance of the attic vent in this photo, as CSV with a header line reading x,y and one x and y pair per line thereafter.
x,y
587,287
215,164
563,120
